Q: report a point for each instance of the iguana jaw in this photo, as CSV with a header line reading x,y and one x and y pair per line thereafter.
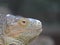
x,y
27,38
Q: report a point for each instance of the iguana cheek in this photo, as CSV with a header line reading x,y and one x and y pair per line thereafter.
x,y
15,33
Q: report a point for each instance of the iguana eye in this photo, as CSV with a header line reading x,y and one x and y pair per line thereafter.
x,y
23,22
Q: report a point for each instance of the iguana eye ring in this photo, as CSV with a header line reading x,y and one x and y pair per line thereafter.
x,y
23,22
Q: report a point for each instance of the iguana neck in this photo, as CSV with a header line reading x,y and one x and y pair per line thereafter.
x,y
26,40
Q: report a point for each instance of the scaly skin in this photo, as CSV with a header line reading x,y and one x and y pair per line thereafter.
x,y
21,30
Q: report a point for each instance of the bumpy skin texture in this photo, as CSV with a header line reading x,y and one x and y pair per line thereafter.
x,y
21,30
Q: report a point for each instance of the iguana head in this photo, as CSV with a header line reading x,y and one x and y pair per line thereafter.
x,y
22,28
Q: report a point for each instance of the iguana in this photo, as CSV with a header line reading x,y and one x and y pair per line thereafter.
x,y
20,30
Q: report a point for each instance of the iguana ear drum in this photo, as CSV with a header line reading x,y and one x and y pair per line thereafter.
x,y
23,22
